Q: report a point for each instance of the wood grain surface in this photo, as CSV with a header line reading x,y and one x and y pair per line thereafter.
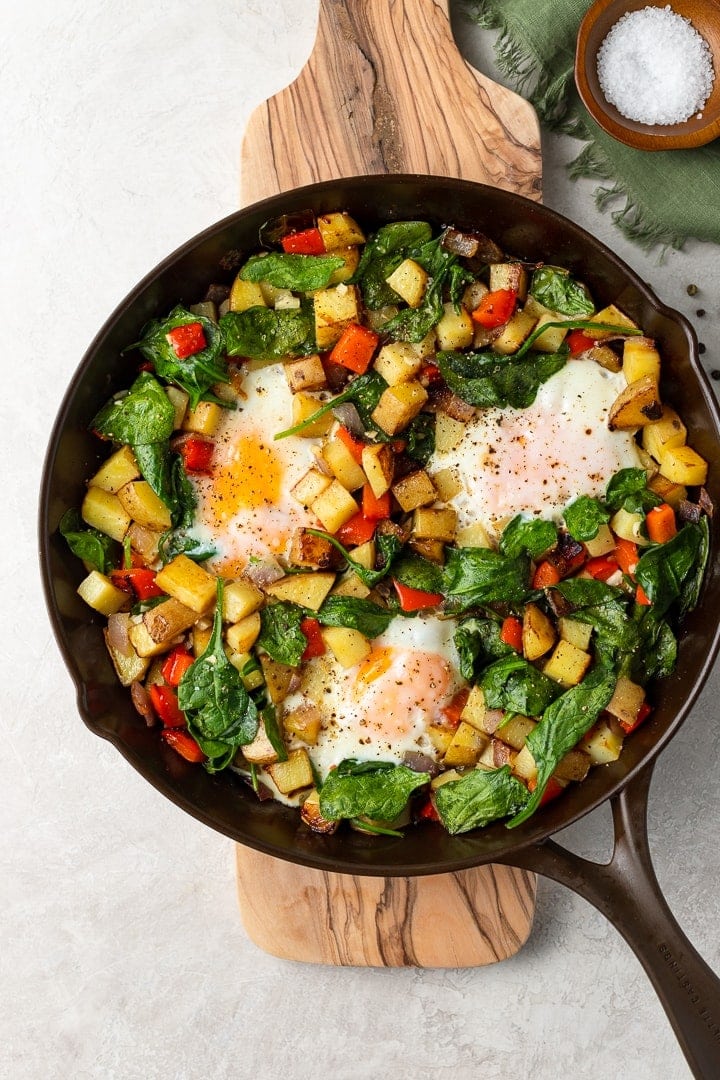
x,y
386,90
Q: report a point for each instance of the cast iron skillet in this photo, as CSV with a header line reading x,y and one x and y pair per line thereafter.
x,y
626,889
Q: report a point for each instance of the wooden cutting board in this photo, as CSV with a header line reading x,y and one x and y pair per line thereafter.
x,y
386,90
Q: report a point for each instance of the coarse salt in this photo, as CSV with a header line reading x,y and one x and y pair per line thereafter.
x,y
654,67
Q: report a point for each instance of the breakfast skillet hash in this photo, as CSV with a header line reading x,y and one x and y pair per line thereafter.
x,y
396,528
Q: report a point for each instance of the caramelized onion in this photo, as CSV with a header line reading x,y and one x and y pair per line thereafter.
x,y
117,633
141,701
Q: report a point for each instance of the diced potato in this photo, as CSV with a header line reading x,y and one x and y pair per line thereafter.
x,y
335,308
409,281
270,293
626,700
179,400
303,722
378,462
415,489
260,751
310,814
629,526
435,524
312,484
314,552
575,765
364,554
189,583
669,492
603,742
473,294
515,731
286,301
455,329
304,405
552,338
466,745
426,348
102,510
683,465
129,667
640,358
339,230
348,646
240,599
524,765
98,591
475,708
305,373
447,484
242,635
669,431
600,544
433,550
294,774
200,635
611,316
440,737
307,590
635,406
351,258
576,632
568,664
604,356
513,333
397,362
351,585
475,535
144,541
448,432
278,678
538,633
250,673
509,276
334,506
204,419
119,469
160,626
144,506
342,464
399,405
496,754
245,294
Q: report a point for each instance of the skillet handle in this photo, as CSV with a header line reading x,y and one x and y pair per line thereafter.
x,y
627,892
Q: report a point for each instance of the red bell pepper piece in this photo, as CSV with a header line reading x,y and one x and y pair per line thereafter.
x,y
415,599
495,308
138,580
358,530
373,508
355,348
602,567
511,633
355,446
306,242
553,788
427,812
430,373
184,744
642,598
187,339
579,342
175,664
197,455
545,575
626,555
642,715
165,703
315,644
660,523
453,711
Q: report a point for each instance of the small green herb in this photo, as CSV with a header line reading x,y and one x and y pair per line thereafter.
x,y
584,516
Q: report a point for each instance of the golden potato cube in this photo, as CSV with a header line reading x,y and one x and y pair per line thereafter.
x,y
447,484
568,664
305,373
129,667
495,754
348,646
475,535
433,550
524,765
448,432
204,419
465,746
603,742
640,358
611,316
575,765
99,593
514,333
604,356
314,552
119,469
286,301
351,258
294,774
667,432
240,599
635,406
397,362
378,462
576,632
398,406
552,338
600,544
342,464
144,506
335,308
307,590
145,541
189,583
351,585
179,400
509,276
414,490
304,405
514,732
455,329
339,230
440,737
304,723
311,816
102,510
669,492
538,633
309,486
475,708
242,635
160,626
626,700
683,465
409,281
334,506
200,635
364,554
278,678
473,294
260,751
435,524
629,526
245,295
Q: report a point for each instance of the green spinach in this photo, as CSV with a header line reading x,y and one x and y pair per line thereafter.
x,y
664,570
530,536
356,613
628,490
280,633
93,547
560,292
300,273
514,685
262,333
584,516
377,790
476,576
488,380
479,797
478,643
364,392
195,374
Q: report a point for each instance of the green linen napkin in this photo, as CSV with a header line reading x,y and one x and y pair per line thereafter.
x,y
667,196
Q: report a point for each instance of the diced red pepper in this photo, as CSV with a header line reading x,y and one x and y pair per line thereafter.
x,y
355,446
355,348
427,812
307,242
175,664
602,567
374,508
358,530
545,575
184,744
641,597
197,455
553,788
453,711
138,580
165,703
660,523
315,644
511,633
626,555
495,308
642,715
579,342
187,339
415,599
430,373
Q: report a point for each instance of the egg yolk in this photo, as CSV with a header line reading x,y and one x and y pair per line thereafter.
x,y
250,480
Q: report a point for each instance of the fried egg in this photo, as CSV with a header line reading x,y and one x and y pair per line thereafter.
x,y
538,460
246,509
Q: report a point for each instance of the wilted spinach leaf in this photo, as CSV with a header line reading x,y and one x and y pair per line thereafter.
x,y
374,789
356,613
628,490
263,333
195,374
478,643
513,684
584,516
280,633
664,570
530,536
301,273
488,380
93,547
559,291
479,797
483,576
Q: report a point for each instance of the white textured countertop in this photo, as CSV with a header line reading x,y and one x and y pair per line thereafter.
x,y
122,952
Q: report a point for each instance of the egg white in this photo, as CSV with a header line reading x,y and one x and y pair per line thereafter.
x,y
538,460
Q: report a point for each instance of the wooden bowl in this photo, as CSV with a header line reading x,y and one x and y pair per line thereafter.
x,y
600,18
